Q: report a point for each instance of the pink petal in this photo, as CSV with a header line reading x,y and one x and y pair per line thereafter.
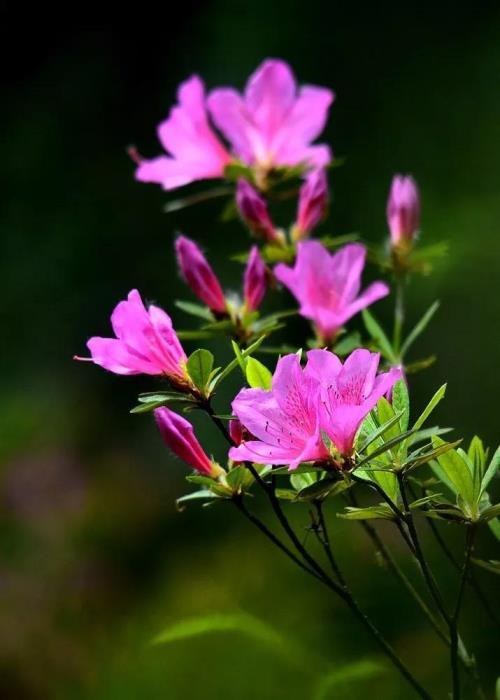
x,y
114,356
229,113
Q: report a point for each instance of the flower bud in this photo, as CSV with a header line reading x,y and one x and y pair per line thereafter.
x,y
313,202
178,434
199,275
403,210
236,431
253,211
254,280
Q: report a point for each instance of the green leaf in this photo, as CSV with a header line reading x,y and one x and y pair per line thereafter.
x,y
415,459
195,335
491,471
378,432
376,332
419,328
490,513
239,478
165,396
202,495
197,198
438,396
419,365
301,481
348,343
235,170
457,472
286,494
322,488
147,407
234,363
258,376
301,469
490,565
401,403
494,526
199,367
385,447
381,511
195,309
345,676
220,622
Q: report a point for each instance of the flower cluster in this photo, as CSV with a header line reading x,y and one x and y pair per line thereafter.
x,y
273,124
326,395
329,420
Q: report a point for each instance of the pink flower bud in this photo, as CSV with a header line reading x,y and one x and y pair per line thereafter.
x,y
403,209
178,434
236,431
313,202
199,275
253,211
254,280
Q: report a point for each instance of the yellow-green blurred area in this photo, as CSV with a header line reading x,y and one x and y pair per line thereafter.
x,y
94,559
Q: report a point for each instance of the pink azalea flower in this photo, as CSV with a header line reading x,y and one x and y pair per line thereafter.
x,y
348,391
327,286
254,280
199,275
253,210
313,202
145,342
284,421
403,209
178,434
195,152
274,122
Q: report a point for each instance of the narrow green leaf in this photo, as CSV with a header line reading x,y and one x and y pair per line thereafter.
x,y
493,467
401,403
301,481
301,469
199,367
494,526
419,328
345,676
385,447
234,363
438,396
258,376
376,332
381,511
490,513
322,488
378,432
457,471
490,565
202,495
194,309
418,457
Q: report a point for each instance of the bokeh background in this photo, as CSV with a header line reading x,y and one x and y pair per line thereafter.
x,y
94,558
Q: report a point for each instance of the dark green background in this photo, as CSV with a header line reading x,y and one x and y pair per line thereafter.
x,y
94,560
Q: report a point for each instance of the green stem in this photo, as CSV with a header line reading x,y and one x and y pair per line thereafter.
x,y
399,312
456,613
341,590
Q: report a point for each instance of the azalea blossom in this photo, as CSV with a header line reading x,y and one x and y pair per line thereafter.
x,y
194,150
274,122
348,391
178,434
145,342
284,421
403,209
199,275
327,286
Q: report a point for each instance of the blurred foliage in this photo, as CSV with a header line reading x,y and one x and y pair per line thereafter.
x,y
94,559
